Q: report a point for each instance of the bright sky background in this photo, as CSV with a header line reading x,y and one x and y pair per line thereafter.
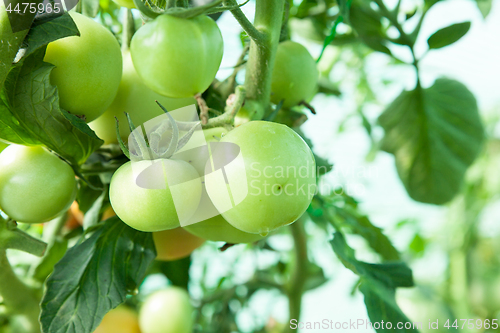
x,y
473,61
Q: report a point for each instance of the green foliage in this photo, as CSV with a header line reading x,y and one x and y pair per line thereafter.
x,y
31,113
435,134
95,277
448,35
45,31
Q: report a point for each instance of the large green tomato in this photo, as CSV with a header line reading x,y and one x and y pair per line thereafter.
x,y
295,76
280,178
137,100
167,311
153,209
216,229
87,69
177,57
35,185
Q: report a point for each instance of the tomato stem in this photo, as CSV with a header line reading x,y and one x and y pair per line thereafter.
x,y
299,275
128,30
13,238
268,19
18,297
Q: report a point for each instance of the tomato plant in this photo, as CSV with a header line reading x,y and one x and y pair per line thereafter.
x,y
295,76
175,244
35,185
232,209
280,177
177,65
167,311
147,207
137,100
87,68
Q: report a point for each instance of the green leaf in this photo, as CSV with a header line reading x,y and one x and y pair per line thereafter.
x,y
448,35
34,103
95,277
484,6
43,32
362,226
10,128
381,306
378,285
435,134
392,275
367,24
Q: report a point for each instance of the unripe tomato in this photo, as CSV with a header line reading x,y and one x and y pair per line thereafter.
x,y
153,209
125,3
167,311
295,76
137,100
35,185
119,320
87,69
175,244
280,178
177,57
214,134
217,229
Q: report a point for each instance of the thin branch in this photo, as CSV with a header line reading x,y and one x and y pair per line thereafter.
x,y
244,22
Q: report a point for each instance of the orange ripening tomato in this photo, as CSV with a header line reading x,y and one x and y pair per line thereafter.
x,y
175,244
119,320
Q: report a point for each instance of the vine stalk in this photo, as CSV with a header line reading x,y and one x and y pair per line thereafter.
x,y
268,19
298,278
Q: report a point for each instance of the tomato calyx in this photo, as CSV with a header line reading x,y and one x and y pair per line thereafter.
x,y
153,147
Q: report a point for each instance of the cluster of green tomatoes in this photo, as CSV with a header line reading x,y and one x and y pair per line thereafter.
x,y
170,60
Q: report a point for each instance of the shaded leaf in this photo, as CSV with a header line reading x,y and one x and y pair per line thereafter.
x,y
45,31
362,226
435,134
392,275
381,306
94,277
367,24
34,103
448,35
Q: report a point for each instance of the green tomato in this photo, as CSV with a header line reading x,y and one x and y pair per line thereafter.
x,y
119,320
125,3
167,311
137,100
177,57
175,244
153,209
214,134
280,178
295,76
216,229
35,185
87,69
